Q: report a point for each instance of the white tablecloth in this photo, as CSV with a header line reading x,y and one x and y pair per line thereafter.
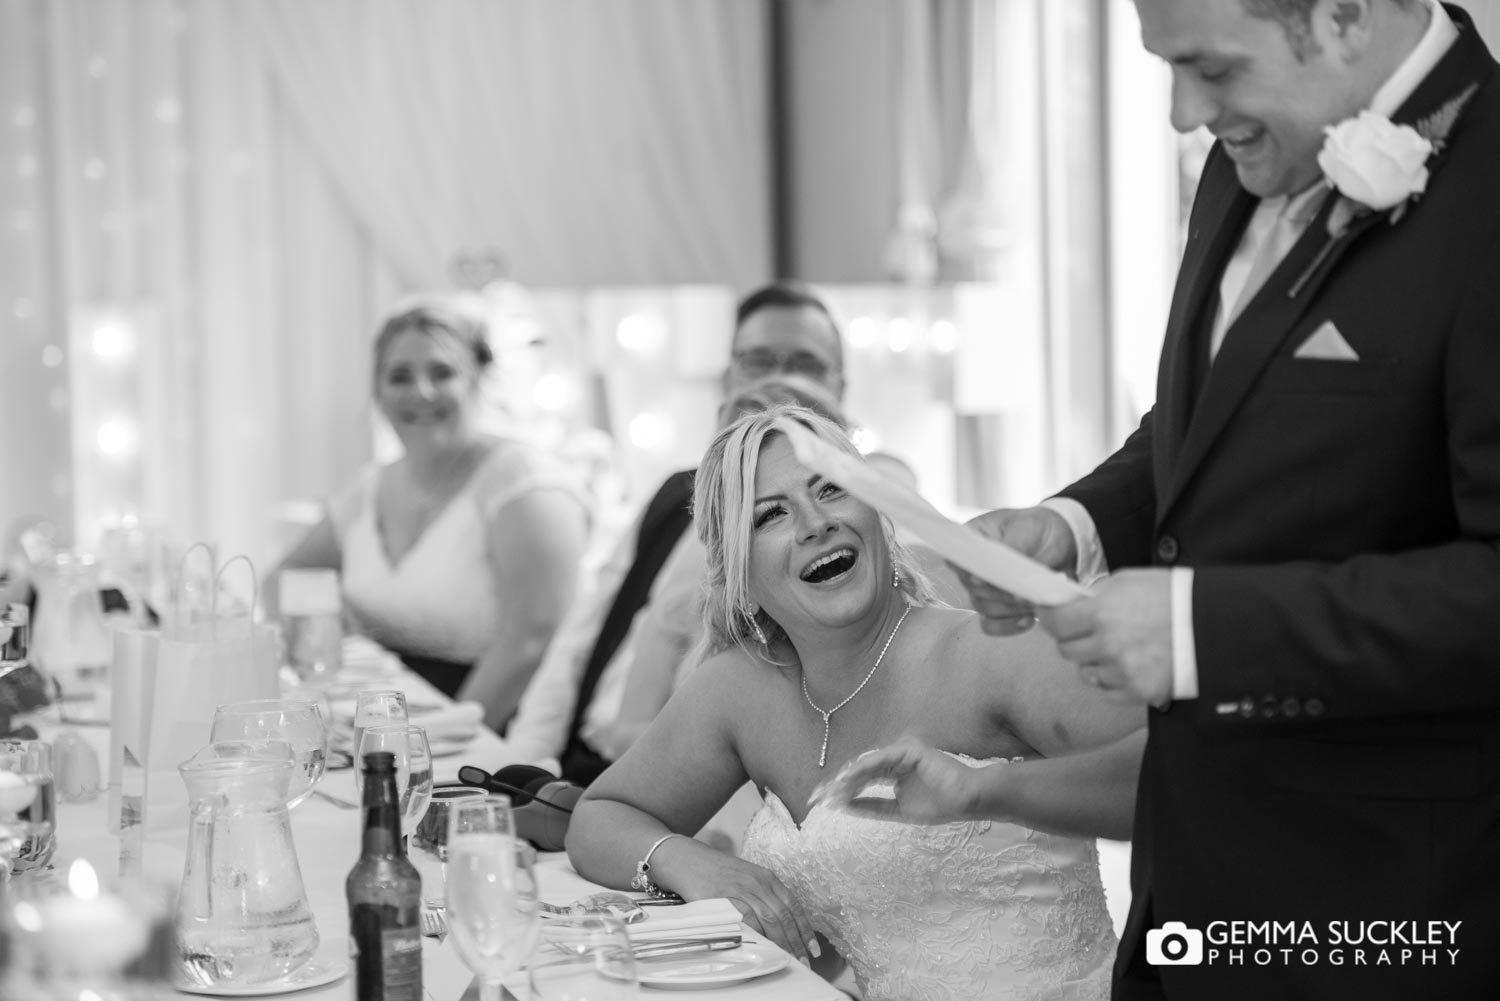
x,y
327,839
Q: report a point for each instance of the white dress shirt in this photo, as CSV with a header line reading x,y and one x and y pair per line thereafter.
x,y
539,732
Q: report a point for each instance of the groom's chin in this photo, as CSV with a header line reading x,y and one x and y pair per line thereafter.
x,y
1269,180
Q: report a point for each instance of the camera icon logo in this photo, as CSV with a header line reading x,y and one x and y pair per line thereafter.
x,y
1174,944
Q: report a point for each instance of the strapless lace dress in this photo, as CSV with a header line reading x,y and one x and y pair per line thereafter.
x,y
958,911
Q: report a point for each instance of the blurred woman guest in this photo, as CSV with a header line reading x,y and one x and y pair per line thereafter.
x,y
824,640
462,554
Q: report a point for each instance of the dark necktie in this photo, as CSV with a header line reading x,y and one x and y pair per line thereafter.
x,y
666,518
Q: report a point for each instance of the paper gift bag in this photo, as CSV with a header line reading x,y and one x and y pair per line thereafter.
x,y
165,684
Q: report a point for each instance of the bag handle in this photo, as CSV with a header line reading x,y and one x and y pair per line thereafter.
x,y
179,621
213,622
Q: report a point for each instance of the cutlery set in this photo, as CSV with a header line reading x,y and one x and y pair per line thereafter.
x,y
434,924
678,946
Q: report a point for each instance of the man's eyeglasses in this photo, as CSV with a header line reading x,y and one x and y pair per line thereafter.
x,y
758,362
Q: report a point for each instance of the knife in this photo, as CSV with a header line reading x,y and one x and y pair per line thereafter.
x,y
674,947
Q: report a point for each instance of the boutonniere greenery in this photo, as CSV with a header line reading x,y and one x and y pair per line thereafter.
x,y
1374,165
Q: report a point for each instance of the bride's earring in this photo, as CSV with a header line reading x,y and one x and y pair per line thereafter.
x,y
760,634
895,576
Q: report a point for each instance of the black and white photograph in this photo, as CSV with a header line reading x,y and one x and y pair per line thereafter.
x,y
777,500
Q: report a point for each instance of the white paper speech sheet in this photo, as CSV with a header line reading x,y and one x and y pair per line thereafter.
x,y
982,556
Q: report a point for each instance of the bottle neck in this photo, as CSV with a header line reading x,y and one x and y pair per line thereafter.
x,y
382,834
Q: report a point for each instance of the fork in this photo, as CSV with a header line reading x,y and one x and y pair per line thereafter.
x,y
434,923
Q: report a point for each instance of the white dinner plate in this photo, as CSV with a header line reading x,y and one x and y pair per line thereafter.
x,y
314,973
710,969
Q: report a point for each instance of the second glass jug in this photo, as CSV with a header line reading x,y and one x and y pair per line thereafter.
x,y
70,640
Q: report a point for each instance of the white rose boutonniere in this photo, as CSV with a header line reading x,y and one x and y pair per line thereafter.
x,y
1374,162
1375,165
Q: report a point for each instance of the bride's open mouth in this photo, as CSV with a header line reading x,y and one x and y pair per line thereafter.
x,y
830,566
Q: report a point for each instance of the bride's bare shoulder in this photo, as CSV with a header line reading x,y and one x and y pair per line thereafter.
x,y
969,640
732,673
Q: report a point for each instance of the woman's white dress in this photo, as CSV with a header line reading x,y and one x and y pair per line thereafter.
x,y
956,911
438,599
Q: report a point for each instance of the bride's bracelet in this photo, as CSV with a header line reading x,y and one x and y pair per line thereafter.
x,y
642,878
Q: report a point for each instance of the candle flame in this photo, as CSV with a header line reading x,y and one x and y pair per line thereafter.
x,y
83,882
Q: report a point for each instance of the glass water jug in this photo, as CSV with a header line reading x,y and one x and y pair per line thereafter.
x,y
242,916
70,640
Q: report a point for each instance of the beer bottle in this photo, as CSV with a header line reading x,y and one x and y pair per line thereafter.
x,y
385,896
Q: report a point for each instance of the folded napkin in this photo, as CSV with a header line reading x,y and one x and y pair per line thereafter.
x,y
362,655
706,918
459,721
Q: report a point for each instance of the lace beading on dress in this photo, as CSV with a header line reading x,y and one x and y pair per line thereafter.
x,y
957,911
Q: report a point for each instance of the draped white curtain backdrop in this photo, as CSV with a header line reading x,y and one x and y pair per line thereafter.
x,y
595,143
208,204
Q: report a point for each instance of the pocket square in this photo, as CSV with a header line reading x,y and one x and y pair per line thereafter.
x,y
1326,344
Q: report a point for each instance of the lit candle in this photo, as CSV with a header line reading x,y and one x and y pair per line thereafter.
x,y
85,928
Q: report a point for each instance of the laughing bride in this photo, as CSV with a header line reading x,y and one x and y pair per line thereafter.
x,y
823,641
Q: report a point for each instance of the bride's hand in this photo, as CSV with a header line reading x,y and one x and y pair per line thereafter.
x,y
928,786
696,871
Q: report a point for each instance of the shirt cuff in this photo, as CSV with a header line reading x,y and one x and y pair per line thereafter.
x,y
1184,649
1091,563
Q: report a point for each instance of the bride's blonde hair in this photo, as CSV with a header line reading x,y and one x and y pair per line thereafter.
x,y
723,511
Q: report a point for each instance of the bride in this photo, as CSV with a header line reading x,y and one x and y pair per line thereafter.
x,y
823,642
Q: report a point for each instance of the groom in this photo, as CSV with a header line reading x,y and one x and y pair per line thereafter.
x,y
1316,498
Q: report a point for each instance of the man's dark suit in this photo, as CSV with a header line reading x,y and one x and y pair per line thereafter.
x,y
1342,517
667,516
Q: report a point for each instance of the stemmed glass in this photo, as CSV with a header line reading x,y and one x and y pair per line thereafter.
x,y
583,957
493,908
300,724
376,707
27,805
413,766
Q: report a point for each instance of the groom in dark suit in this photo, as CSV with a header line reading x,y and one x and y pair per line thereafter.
x,y
1315,499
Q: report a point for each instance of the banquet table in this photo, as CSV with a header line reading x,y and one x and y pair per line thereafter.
x,y
327,838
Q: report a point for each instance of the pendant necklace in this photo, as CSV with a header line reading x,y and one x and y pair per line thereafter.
x,y
828,714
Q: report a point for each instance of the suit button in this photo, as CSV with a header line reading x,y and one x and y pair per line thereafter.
x,y
1166,549
1247,707
1269,707
1313,707
1290,707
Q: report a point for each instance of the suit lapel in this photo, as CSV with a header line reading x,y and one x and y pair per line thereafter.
x,y
1249,344
1211,242
1253,339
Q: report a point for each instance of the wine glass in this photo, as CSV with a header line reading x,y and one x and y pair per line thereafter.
x,y
376,707
493,908
27,805
15,629
428,846
300,724
583,957
413,766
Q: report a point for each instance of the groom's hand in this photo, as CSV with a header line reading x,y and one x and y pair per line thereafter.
x,y
927,786
1038,532
1120,635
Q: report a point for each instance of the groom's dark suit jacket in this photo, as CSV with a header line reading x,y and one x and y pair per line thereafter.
x,y
1343,521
